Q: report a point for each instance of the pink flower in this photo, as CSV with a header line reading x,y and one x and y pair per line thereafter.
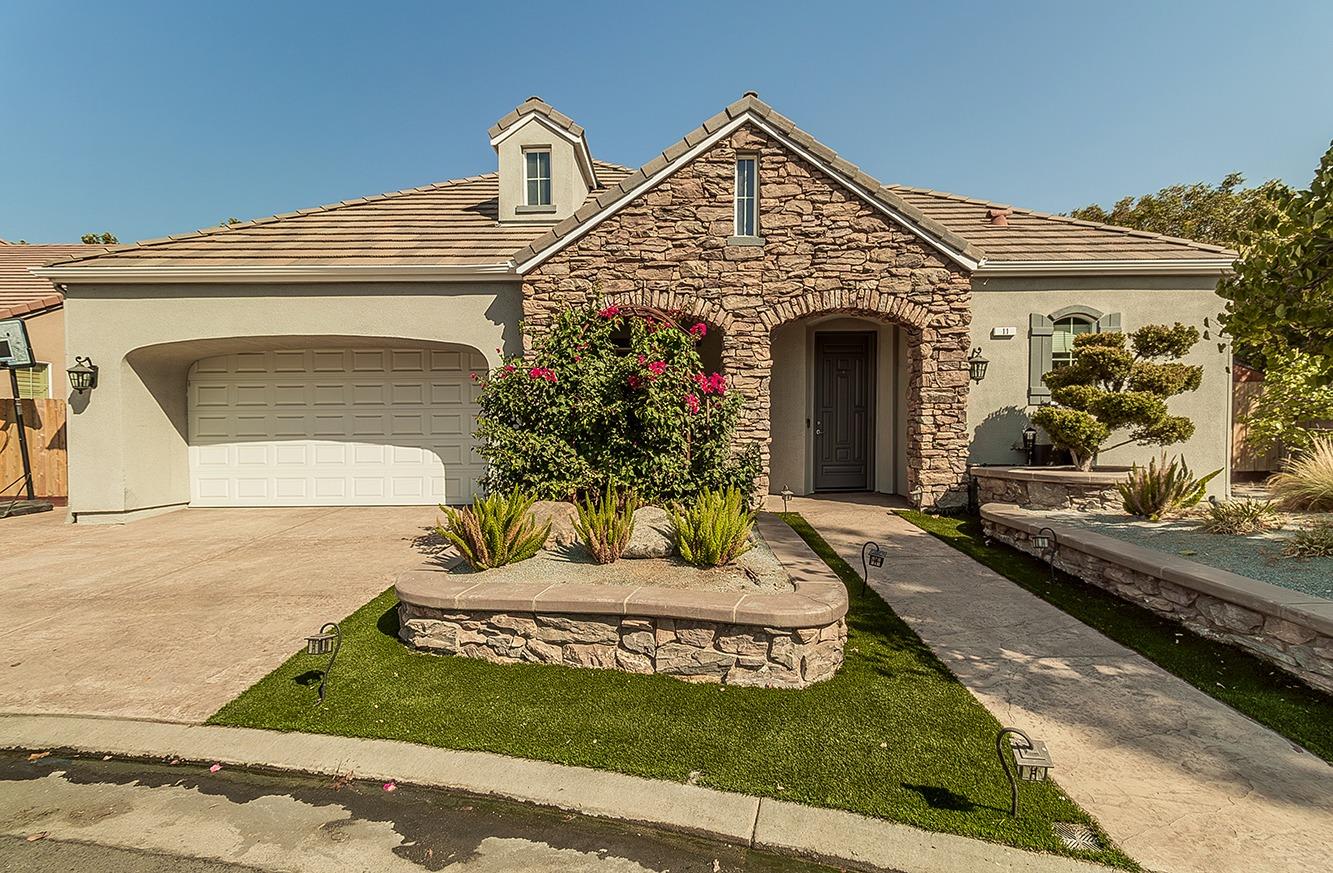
x,y
657,368
718,383
634,382
642,360
542,373
609,312
390,785
215,768
702,381
509,368
699,331
692,403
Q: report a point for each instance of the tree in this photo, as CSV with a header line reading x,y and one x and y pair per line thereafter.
x,y
1221,215
99,239
1280,296
1295,406
1116,382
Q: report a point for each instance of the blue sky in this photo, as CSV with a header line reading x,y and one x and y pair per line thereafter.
x,y
153,118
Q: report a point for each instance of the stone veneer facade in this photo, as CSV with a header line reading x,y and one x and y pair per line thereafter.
x,y
695,651
1294,639
825,250
1047,488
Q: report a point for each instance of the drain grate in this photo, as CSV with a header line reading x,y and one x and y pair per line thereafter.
x,y
1077,836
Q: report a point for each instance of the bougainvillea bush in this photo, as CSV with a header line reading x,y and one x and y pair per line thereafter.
x,y
610,398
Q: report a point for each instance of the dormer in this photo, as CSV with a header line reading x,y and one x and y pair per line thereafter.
x,y
546,170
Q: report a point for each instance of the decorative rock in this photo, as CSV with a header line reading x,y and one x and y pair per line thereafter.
x,y
633,662
561,515
557,628
695,633
684,660
653,535
545,653
587,655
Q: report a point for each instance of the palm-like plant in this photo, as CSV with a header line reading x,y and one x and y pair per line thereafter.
x,y
495,530
606,523
1160,489
715,529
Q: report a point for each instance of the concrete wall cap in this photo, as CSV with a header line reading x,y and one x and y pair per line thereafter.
x,y
1066,475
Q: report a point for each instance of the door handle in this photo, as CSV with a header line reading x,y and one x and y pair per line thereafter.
x,y
819,428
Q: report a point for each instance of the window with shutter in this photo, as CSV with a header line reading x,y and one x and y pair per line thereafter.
x,y
1051,342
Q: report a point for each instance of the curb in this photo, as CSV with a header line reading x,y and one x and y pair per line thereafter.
x,y
762,823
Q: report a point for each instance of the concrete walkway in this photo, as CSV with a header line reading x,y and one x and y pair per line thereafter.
x,y
1182,782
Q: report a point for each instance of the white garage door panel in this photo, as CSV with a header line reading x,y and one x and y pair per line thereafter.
x,y
334,427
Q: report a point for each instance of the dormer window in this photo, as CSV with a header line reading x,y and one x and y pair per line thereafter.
x,y
747,196
537,163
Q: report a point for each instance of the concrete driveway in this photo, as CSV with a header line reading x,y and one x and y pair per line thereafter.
x,y
171,617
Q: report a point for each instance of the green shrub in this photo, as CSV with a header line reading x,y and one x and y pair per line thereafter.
x,y
1306,480
495,530
1241,517
606,523
612,398
1312,541
1120,383
715,529
1161,489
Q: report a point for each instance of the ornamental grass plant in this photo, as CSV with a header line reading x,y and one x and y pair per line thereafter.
x,y
715,529
1162,489
1305,483
605,523
1242,517
495,530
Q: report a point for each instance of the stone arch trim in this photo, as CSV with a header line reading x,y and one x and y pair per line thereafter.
x,y
873,304
670,301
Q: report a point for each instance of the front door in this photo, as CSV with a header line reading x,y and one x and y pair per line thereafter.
x,y
844,376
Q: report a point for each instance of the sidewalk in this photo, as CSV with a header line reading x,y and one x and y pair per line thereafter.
x,y
1182,782
762,823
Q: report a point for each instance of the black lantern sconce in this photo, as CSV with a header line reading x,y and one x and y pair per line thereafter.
x,y
83,375
977,364
326,642
871,556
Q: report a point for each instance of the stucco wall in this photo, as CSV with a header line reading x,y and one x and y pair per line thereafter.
x,y
46,332
998,406
568,188
127,438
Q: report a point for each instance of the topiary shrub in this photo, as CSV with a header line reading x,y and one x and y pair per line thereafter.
x,y
606,523
495,530
714,529
1117,382
1161,489
612,398
1305,482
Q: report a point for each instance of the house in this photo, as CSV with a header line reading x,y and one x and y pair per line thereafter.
x,y
41,307
323,356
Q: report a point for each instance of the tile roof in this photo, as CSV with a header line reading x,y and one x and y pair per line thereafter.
x,y
447,223
454,223
1037,236
21,292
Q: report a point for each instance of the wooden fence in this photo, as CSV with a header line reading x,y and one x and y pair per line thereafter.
x,y
1246,388
44,424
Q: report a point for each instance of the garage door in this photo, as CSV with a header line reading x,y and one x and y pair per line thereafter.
x,y
334,427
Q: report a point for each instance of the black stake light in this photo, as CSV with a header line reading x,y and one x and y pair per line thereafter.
x,y
1031,760
326,642
1048,544
871,556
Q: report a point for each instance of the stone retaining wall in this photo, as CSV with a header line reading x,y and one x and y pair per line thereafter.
x,y
1048,487
1287,628
696,651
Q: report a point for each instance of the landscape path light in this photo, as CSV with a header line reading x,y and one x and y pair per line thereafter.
x,y
1031,761
1048,544
871,556
326,642
787,495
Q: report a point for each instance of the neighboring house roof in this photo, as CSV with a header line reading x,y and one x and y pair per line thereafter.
x,y
22,293
452,228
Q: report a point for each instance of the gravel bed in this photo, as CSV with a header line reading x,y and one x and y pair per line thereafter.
x,y
1258,556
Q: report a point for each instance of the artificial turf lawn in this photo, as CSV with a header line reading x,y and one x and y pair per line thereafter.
x,y
893,735
1235,677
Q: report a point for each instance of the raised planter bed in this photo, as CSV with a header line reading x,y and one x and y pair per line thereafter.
x,y
1291,629
1049,487
757,636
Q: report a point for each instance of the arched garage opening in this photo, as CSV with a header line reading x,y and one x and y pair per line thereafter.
x,y
310,421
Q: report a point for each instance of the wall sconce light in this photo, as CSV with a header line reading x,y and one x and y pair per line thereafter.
x,y
871,556
1031,760
976,365
83,375
328,640
787,495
